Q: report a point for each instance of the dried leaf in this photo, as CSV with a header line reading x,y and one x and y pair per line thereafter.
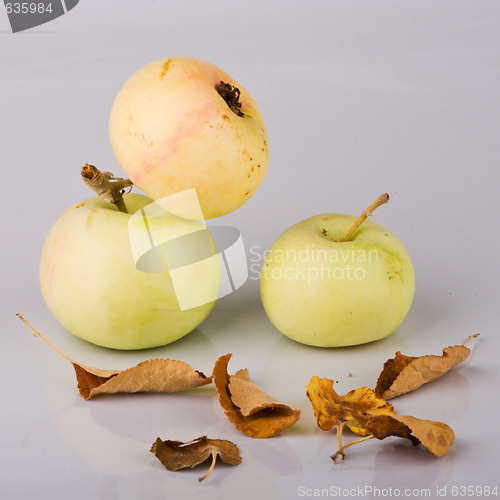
x,y
437,437
368,415
156,375
249,408
332,410
406,373
175,455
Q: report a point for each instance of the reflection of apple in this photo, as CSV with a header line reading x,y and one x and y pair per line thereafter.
x,y
90,282
322,291
182,123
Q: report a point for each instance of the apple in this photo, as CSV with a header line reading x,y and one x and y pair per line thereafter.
x,y
322,291
90,281
181,123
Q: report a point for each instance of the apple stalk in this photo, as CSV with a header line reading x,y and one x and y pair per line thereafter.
x,y
106,186
383,198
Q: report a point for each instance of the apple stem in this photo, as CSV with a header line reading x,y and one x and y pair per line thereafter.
x,y
231,96
383,198
106,186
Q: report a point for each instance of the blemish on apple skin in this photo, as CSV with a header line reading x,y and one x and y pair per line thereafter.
x,y
164,68
247,193
80,205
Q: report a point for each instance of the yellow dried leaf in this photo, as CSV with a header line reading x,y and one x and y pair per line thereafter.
x,y
437,437
248,407
156,375
406,373
332,410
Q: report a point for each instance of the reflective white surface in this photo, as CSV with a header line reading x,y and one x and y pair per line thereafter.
x,y
359,98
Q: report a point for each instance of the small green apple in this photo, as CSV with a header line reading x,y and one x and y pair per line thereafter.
x,y
90,282
182,123
322,291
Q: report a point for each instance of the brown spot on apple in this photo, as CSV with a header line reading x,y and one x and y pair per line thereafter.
x,y
165,68
247,193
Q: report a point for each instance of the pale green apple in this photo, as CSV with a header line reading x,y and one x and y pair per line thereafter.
x,y
90,282
323,292
174,127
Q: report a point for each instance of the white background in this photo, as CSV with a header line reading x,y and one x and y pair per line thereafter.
x,y
359,98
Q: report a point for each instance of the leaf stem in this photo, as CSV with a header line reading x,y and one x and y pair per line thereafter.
x,y
383,198
339,427
212,465
339,454
36,333
470,337
93,371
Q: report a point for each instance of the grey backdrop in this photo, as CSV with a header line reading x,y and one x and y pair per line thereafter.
x,y
359,98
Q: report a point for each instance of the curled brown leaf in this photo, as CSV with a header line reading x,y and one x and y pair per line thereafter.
x,y
248,407
404,374
175,455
